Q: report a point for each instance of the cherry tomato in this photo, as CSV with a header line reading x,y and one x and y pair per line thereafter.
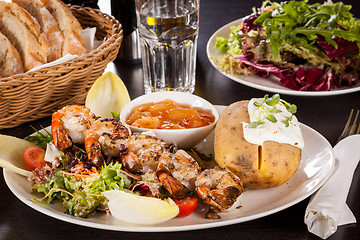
x,y
34,157
186,205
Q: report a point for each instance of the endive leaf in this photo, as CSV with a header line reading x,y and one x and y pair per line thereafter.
x,y
12,154
107,94
137,209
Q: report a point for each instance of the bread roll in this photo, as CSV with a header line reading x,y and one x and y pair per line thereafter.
x,y
69,25
10,61
24,32
49,27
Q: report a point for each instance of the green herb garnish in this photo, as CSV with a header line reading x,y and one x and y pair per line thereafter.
x,y
39,138
268,107
116,115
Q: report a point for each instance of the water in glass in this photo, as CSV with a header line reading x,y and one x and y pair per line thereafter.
x,y
168,31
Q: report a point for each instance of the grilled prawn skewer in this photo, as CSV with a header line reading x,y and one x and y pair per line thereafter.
x,y
181,166
69,125
143,153
105,137
219,187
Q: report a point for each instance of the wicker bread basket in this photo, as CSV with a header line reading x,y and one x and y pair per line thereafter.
x,y
37,94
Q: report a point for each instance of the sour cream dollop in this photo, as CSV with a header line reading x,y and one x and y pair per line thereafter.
x,y
270,131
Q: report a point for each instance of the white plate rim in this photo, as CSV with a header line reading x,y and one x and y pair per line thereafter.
x,y
212,52
8,175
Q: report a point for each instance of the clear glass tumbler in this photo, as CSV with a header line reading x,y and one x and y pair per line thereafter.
x,y
168,31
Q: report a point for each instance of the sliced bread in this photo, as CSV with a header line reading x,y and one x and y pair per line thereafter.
x,y
24,33
69,25
10,61
48,26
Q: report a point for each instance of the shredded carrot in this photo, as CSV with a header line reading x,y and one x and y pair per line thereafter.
x,y
77,175
79,171
231,66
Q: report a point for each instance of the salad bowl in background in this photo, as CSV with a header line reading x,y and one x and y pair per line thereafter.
x,y
183,138
269,84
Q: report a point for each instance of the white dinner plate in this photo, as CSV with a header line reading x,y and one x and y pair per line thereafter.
x,y
315,168
271,83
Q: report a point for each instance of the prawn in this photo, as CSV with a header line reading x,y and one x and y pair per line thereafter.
x,y
181,166
105,137
143,153
177,172
172,185
218,187
69,125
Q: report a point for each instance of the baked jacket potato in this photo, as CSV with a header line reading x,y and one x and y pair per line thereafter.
x,y
259,167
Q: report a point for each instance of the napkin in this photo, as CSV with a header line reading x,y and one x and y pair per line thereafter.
x,y
91,43
327,208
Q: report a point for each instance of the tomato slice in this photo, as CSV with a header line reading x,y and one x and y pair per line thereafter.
x,y
186,205
34,157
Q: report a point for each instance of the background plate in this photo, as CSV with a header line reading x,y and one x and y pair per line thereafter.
x,y
315,168
272,83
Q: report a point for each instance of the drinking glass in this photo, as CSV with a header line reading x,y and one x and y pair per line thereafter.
x,y
168,32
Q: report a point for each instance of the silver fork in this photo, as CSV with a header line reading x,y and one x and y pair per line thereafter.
x,y
351,127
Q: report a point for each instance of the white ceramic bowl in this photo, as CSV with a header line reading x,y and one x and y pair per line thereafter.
x,y
183,138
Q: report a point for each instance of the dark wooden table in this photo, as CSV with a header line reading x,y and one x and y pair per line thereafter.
x,y
326,114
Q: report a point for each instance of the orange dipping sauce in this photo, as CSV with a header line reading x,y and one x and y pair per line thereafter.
x,y
168,114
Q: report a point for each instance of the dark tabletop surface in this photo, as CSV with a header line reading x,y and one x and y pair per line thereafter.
x,y
326,114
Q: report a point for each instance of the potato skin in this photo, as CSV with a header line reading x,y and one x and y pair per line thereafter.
x,y
258,166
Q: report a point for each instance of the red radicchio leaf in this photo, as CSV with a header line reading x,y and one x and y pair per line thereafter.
x,y
289,81
264,69
311,79
248,23
344,46
142,189
326,82
309,76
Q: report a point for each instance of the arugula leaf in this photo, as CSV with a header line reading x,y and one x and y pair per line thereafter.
x,y
39,138
300,23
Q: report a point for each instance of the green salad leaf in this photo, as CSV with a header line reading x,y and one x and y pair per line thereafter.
x,y
40,139
82,196
299,24
231,46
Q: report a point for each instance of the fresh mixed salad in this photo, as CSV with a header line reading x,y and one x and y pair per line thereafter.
x,y
69,176
309,47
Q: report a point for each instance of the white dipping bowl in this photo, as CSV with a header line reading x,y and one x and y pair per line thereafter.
x,y
183,138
